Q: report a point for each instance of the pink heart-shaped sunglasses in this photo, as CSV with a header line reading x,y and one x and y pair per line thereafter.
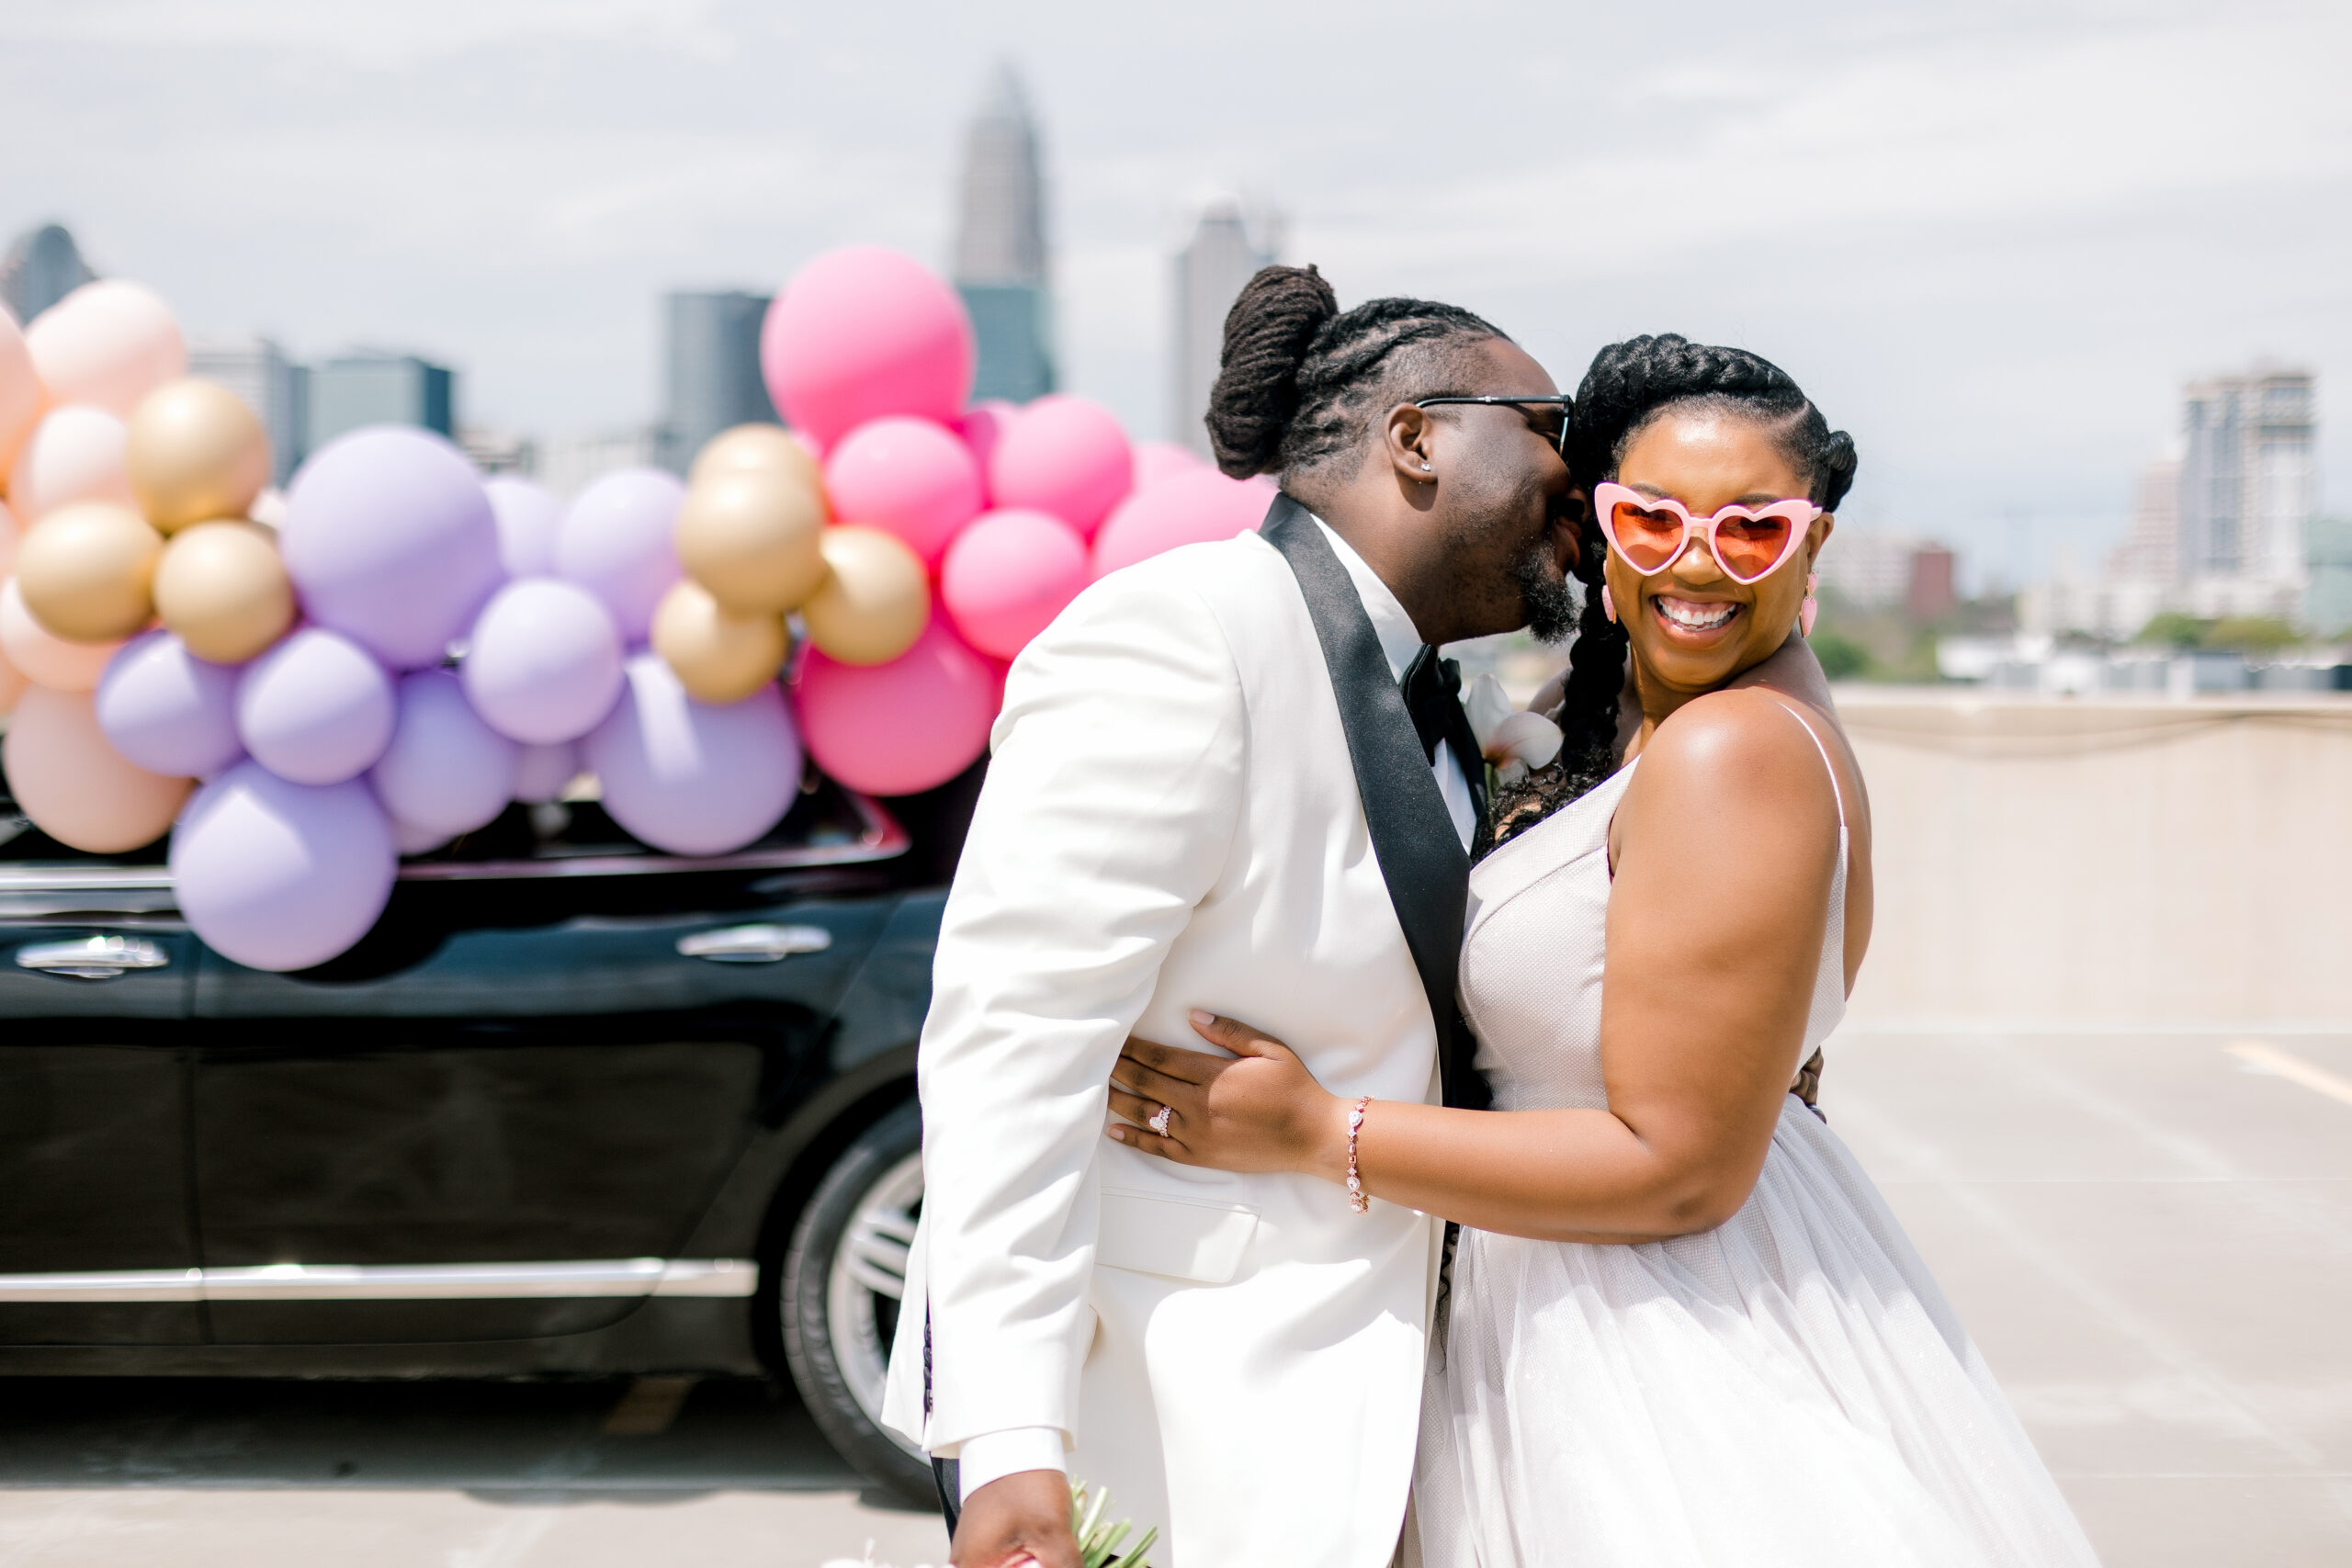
x,y
1749,542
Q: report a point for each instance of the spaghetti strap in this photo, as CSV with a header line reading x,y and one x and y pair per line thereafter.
x,y
1836,791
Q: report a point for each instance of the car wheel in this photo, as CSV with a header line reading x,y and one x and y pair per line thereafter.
x,y
844,1280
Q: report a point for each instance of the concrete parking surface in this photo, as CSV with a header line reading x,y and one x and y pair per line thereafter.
x,y
2150,1235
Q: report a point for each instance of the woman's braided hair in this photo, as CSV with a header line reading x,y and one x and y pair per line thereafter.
x,y
1630,386
1300,378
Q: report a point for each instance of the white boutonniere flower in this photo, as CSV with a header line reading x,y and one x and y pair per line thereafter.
x,y
1513,741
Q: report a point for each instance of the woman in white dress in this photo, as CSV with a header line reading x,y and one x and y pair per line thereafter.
x,y
1685,1330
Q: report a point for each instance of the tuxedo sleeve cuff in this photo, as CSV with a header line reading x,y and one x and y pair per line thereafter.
x,y
994,1455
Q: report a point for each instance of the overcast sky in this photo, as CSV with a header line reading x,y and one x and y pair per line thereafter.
x,y
1991,240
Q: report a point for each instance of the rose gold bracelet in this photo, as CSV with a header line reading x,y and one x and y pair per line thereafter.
x,y
1357,1199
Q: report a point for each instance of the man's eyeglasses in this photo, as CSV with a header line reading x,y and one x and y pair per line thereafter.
x,y
1560,401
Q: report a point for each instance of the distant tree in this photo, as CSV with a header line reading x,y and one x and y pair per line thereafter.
x,y
1842,658
2174,628
2251,634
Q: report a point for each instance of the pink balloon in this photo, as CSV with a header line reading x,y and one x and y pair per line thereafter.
x,y
45,658
690,777
14,684
862,332
108,343
983,425
445,772
1160,460
616,543
907,726
909,477
73,454
1190,509
21,395
278,875
1065,455
75,786
1008,575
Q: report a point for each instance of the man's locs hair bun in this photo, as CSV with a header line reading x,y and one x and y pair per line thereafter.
x,y
1300,377
1267,334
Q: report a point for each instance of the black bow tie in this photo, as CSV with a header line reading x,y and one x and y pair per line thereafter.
x,y
1432,688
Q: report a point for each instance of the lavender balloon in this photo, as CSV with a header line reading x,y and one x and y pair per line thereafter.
x,y
528,518
615,542
410,840
315,709
280,875
544,664
543,771
445,771
389,540
167,710
689,777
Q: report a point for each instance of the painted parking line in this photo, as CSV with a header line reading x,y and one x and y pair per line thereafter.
x,y
2263,1057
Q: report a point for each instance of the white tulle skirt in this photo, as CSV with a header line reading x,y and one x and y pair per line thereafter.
x,y
1788,1391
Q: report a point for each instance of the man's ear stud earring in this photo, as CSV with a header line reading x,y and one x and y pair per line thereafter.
x,y
1425,467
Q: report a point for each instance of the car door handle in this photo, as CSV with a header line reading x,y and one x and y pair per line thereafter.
x,y
754,944
92,958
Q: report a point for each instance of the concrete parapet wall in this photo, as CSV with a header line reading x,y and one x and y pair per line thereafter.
x,y
2095,862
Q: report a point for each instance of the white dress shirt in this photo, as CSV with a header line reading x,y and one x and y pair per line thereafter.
x,y
993,1455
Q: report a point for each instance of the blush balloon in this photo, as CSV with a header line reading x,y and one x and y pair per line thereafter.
x,y
315,709
280,875
21,396
1190,509
904,727
983,425
1160,460
693,778
167,711
1008,575
1066,455
615,542
445,772
862,332
74,785
544,663
909,476
107,343
390,540
13,684
73,454
528,517
45,660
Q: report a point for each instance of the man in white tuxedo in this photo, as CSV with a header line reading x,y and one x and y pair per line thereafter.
x,y
1234,777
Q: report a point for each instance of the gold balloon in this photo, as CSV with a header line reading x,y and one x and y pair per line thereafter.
x,y
876,599
748,536
194,451
717,656
221,589
87,571
764,448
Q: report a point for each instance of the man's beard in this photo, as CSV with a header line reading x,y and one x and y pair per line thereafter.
x,y
1552,607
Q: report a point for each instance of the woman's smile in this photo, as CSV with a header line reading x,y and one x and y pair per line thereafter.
x,y
1697,622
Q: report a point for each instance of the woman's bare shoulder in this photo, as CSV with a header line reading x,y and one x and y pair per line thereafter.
x,y
1743,748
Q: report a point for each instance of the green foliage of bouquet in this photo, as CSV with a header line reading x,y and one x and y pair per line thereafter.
x,y
1098,1543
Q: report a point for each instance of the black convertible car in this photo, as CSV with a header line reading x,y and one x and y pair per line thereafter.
x,y
573,1107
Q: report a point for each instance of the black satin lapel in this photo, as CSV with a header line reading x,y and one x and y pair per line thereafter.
x,y
1421,859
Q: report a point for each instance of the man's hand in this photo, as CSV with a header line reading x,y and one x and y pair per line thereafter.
x,y
1021,1518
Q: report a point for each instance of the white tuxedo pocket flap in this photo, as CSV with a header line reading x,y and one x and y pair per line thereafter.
x,y
1186,1238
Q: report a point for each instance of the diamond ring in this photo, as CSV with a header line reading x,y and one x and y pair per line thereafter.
x,y
1158,1122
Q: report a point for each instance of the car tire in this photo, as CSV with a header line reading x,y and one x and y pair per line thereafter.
x,y
844,1274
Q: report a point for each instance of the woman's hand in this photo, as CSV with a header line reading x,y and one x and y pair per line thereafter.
x,y
1259,1111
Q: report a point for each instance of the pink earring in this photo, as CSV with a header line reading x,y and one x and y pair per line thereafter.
x,y
1608,606
1812,605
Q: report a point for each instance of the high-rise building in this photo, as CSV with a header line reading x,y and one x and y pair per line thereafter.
x,y
2249,485
373,387
2151,551
273,386
2327,604
1001,263
1225,252
714,380
42,266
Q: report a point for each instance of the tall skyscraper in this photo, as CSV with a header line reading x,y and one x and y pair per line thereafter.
x,y
372,387
714,381
2249,484
1002,261
273,386
1225,251
41,268
2151,551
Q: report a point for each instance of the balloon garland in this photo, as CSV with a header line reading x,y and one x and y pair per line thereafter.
x,y
303,687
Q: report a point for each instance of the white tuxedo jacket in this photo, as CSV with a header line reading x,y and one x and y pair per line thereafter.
x,y
1170,821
